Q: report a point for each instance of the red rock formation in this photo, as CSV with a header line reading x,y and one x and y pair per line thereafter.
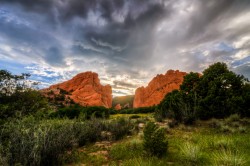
x,y
118,107
158,88
86,90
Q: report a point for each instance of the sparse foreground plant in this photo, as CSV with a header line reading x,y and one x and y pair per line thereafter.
x,y
149,161
191,153
154,140
229,157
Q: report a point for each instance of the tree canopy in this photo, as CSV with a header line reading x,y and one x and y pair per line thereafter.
x,y
16,96
217,93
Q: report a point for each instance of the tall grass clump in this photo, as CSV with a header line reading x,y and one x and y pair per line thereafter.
x,y
229,157
88,131
140,161
33,143
233,118
127,150
191,153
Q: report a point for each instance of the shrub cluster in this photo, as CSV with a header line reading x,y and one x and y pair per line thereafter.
x,y
154,140
76,111
139,110
44,142
232,124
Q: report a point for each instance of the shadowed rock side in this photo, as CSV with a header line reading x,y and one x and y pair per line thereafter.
x,y
158,88
86,90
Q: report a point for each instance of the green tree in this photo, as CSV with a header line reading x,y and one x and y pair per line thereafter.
x,y
217,93
180,106
190,83
10,83
17,97
220,92
246,97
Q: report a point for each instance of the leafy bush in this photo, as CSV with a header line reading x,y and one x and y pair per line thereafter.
x,y
158,116
119,128
75,111
113,111
215,123
138,110
19,104
134,116
88,131
154,140
232,118
178,105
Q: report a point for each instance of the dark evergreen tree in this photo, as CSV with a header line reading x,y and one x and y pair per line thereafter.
x,y
217,93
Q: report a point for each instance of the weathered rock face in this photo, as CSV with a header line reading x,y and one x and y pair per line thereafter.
x,y
158,88
86,90
118,107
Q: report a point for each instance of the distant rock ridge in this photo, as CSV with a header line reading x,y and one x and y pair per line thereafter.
x,y
123,101
118,107
157,88
85,89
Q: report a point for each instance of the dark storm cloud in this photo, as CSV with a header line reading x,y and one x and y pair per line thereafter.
x,y
43,5
205,23
129,38
54,56
21,36
136,38
69,9
207,12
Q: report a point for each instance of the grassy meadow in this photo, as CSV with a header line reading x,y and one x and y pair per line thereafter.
x,y
212,142
119,141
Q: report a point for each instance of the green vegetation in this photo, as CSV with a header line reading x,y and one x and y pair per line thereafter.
x,y
127,150
45,142
140,110
206,122
200,144
17,98
154,140
218,93
76,111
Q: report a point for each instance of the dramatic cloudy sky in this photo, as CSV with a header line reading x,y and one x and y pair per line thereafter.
x,y
126,42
